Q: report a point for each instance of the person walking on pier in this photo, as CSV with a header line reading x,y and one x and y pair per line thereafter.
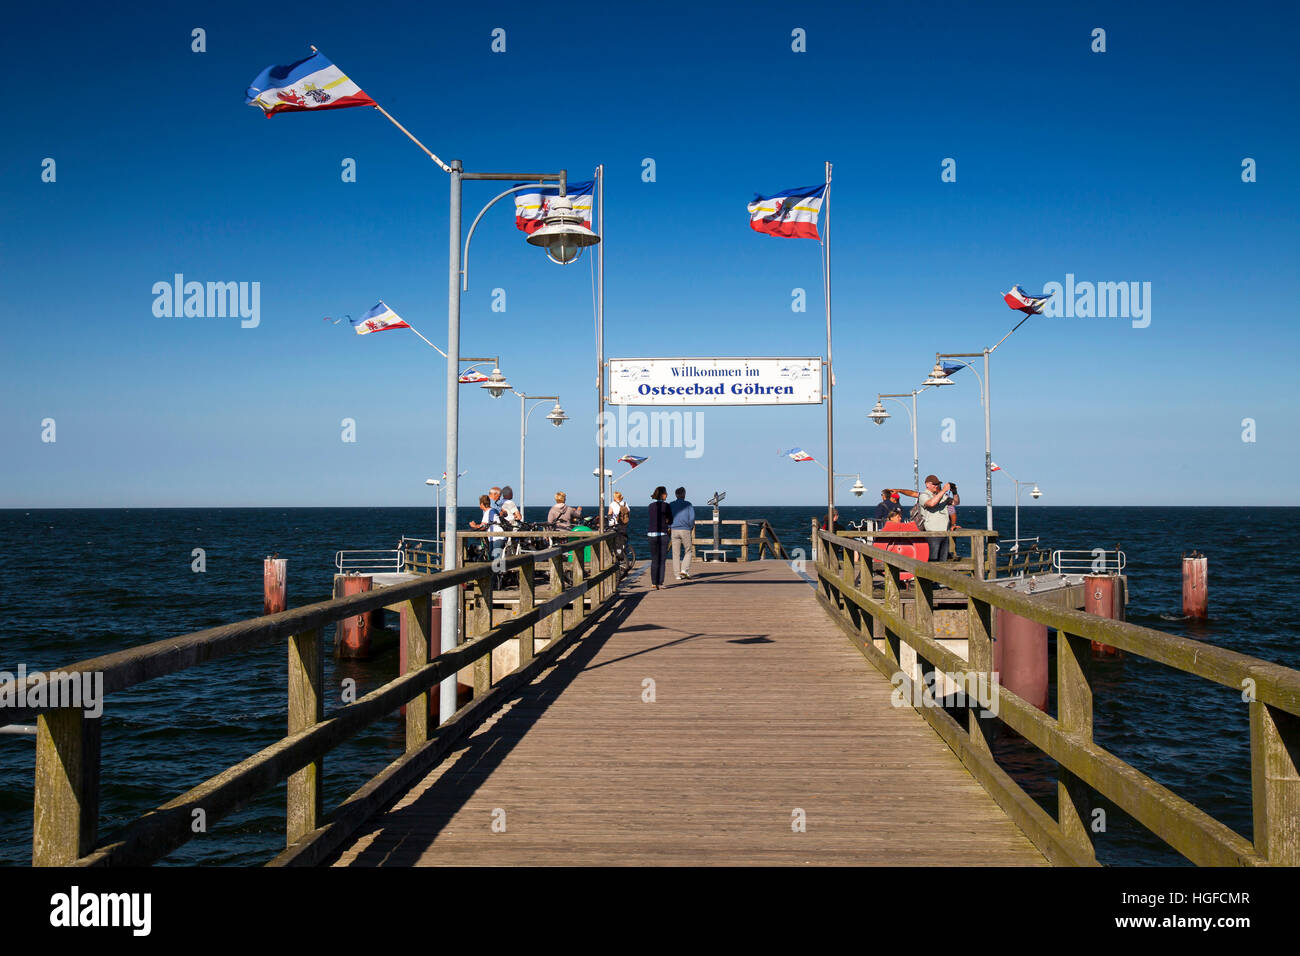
x,y
659,522
933,506
682,527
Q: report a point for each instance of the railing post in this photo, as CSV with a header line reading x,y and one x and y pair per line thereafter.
x,y
306,710
1275,783
579,575
478,625
893,604
977,557
66,799
991,559
1074,717
417,619
744,541
979,660
607,562
813,553
526,572
923,592
557,582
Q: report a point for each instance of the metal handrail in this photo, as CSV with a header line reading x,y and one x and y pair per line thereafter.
x,y
367,561
1096,561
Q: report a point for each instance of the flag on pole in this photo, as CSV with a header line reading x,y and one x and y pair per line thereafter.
x,y
379,319
1019,299
470,378
531,206
994,466
798,454
791,214
313,83
632,460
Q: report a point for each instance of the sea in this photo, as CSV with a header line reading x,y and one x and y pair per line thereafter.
x,y
82,583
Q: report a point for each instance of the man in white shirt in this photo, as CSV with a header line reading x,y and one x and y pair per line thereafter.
x,y
934,513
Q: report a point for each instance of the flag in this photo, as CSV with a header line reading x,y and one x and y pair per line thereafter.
x,y
470,378
1019,299
632,460
798,454
379,319
313,83
531,206
949,369
791,214
994,466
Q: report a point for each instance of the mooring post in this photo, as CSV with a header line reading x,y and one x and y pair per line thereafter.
x,y
1101,596
1196,575
353,640
275,591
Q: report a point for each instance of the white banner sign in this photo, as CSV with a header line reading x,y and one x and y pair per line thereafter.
x,y
715,381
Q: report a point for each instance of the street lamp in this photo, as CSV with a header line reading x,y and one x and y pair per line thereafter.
x,y
556,418
437,511
1034,493
985,384
878,415
563,235
984,401
457,275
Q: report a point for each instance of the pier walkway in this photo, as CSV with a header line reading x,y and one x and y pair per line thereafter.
x,y
700,724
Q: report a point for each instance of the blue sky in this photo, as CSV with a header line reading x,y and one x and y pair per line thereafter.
x,y
1116,166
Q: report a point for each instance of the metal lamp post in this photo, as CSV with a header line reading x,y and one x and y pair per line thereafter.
x,y
564,242
879,414
556,417
1036,494
939,376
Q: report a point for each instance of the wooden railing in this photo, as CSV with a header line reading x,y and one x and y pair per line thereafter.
x,y
766,539
67,747
979,555
909,649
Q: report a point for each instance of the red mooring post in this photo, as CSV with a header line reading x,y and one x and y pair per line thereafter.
x,y
1020,657
1103,597
275,589
1196,585
354,632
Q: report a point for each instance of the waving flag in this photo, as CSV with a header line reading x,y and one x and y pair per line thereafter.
x,y
798,454
379,319
632,460
791,214
1019,299
313,83
994,466
531,206
469,378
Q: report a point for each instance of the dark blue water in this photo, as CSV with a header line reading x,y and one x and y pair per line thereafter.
x,y
86,582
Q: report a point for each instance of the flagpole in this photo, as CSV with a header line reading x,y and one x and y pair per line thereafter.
x,y
830,368
445,167
426,341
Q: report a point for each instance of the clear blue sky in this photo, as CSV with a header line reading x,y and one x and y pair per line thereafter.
x,y
1115,166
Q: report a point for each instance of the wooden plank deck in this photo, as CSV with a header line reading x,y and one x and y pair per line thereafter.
x,y
762,707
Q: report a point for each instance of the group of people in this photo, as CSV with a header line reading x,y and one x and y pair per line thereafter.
x,y
935,510
671,524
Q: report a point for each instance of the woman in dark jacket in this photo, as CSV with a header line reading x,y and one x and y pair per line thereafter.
x,y
660,518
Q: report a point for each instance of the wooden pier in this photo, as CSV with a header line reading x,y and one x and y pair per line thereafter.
x,y
757,713
749,716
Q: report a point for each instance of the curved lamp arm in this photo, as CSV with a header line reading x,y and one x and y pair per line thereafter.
x,y
910,420
464,270
978,377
